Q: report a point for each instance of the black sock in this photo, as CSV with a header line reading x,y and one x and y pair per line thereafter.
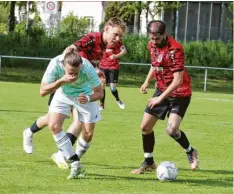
x,y
103,99
148,146
149,161
72,138
34,128
115,94
183,140
74,158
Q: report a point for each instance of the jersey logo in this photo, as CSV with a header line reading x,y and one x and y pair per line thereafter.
x,y
172,55
159,57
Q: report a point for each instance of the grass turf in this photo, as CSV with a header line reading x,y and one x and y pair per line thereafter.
x,y
116,148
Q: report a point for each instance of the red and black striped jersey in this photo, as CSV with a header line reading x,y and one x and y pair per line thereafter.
x,y
166,61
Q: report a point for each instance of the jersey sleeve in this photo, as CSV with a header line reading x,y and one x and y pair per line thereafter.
x,y
121,46
85,44
51,74
176,59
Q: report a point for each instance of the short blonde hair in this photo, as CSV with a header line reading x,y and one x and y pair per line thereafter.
x,y
117,22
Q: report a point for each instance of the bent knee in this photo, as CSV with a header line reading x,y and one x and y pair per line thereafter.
x,y
174,133
146,128
54,127
88,136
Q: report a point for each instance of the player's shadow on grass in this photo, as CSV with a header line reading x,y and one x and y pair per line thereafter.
x,y
221,172
26,111
224,182
204,180
106,166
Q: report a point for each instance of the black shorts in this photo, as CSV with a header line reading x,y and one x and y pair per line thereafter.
x,y
169,105
112,75
50,98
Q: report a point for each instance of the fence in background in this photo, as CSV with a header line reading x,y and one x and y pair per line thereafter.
x,y
126,63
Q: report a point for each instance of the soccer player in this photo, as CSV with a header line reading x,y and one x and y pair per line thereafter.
x,y
92,46
77,85
110,66
172,95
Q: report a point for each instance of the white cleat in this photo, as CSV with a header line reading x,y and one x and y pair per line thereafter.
x,y
59,159
76,171
27,142
121,104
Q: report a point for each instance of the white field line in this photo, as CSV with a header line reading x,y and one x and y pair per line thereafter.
x,y
216,99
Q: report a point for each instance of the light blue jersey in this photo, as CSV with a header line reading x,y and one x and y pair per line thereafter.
x,y
87,78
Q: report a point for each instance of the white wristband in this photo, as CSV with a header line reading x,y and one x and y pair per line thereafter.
x,y
88,98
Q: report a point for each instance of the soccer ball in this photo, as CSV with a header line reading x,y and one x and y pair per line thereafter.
x,y
167,171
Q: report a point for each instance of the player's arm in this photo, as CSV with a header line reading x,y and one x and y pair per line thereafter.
x,y
122,52
84,43
177,81
97,95
146,84
47,87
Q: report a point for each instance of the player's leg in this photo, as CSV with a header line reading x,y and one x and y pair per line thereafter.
x,y
63,142
104,80
150,118
88,114
148,140
114,76
84,140
177,113
75,128
60,108
38,125
73,132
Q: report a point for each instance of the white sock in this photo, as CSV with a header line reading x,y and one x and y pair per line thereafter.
x,y
188,149
81,147
64,144
148,155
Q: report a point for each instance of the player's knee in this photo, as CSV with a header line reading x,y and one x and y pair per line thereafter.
x,y
145,128
174,133
88,135
112,88
54,127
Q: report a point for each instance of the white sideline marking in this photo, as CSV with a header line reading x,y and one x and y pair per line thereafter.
x,y
215,99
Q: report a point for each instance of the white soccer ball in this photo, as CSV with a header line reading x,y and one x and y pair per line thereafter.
x,y
167,171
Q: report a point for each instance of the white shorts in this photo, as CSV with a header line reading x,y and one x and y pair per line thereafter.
x,y
87,113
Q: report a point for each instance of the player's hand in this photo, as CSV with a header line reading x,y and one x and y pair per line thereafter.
x,y
69,48
144,87
113,57
100,73
154,101
68,78
82,99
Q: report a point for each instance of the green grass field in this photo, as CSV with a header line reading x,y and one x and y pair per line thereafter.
x,y
116,148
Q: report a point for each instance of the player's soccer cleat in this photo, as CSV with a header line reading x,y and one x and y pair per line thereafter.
x,y
77,171
121,104
27,142
59,159
143,168
193,159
